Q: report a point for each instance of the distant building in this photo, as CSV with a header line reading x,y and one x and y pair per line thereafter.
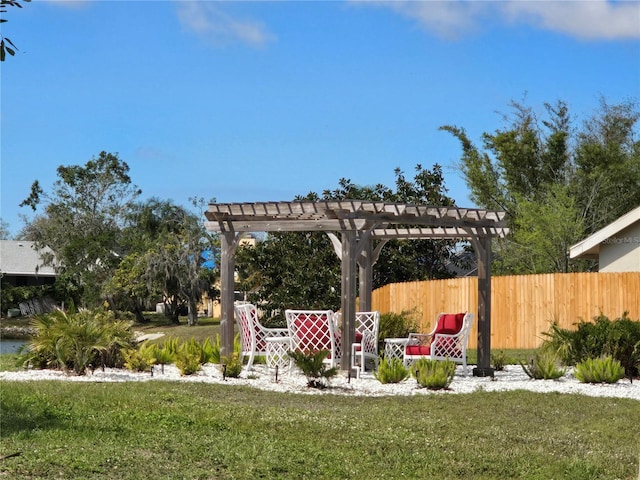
x,y
616,246
21,265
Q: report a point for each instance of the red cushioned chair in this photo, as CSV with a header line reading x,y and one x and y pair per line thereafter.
x,y
448,340
314,330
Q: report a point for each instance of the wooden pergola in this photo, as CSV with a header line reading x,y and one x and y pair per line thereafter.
x,y
358,230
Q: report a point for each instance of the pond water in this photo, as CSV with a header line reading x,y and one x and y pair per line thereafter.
x,y
10,346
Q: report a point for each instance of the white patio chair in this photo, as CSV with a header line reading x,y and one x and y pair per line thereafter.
x,y
253,333
314,330
365,346
448,340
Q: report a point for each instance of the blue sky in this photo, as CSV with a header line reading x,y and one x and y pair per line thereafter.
x,y
263,101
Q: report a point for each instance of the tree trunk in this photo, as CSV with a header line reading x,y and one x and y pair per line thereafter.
x,y
139,315
192,316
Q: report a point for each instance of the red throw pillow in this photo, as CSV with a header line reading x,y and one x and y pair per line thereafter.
x,y
450,323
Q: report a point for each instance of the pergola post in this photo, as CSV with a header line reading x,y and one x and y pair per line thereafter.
x,y
365,276
348,300
483,251
228,245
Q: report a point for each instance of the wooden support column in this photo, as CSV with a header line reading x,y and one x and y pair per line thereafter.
x,y
365,276
348,301
483,250
228,246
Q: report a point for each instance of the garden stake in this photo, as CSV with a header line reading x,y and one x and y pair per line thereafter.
x,y
276,373
224,372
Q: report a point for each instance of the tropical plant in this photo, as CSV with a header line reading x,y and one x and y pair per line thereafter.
x,y
599,370
433,374
543,365
188,362
231,365
162,355
211,350
314,368
391,370
139,360
619,338
75,341
498,360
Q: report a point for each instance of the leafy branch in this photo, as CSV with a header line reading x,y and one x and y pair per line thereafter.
x,y
6,45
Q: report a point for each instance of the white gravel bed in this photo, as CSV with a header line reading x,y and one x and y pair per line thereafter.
x,y
512,378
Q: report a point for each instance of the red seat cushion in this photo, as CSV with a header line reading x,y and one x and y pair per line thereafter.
x,y
418,350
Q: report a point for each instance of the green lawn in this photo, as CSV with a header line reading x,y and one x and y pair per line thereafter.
x,y
202,431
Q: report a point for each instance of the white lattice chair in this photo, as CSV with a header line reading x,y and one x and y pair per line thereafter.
x,y
253,333
365,346
314,330
448,340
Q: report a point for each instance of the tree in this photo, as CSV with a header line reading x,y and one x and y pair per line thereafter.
x,y
165,245
6,45
607,158
81,221
556,186
290,269
4,230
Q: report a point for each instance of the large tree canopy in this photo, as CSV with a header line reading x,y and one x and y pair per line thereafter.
x,y
164,260
81,221
557,183
291,269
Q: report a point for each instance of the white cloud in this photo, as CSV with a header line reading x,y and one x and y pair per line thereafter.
x,y
587,19
213,25
590,19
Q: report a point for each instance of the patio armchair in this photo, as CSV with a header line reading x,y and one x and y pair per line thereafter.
x,y
253,333
313,330
365,346
448,340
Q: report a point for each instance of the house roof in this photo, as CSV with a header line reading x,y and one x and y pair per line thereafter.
x,y
21,258
590,246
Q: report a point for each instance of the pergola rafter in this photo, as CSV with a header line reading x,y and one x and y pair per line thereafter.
x,y
360,224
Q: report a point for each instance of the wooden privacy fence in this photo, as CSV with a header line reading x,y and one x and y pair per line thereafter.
x,y
522,306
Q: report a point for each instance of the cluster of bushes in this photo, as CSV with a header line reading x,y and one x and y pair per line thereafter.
x,y
431,374
89,339
602,351
188,356
76,341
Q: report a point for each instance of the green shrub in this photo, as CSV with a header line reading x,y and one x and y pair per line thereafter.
x,y
619,338
211,350
231,365
187,362
543,365
162,355
396,325
599,370
433,374
138,360
75,341
391,370
171,345
313,367
499,360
